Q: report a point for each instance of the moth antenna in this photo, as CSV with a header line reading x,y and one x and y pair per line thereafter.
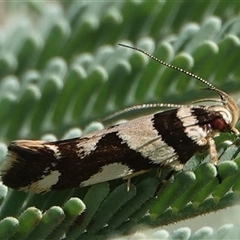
x,y
207,100
173,67
144,106
227,101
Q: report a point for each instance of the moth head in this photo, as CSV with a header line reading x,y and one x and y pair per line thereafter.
x,y
230,105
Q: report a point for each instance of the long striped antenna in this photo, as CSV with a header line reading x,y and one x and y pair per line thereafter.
x,y
173,67
147,106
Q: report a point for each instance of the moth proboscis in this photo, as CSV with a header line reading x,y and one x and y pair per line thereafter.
x,y
165,138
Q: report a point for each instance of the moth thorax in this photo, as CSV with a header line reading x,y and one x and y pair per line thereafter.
x,y
223,120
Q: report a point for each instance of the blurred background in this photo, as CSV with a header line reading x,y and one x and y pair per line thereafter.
x,y
61,70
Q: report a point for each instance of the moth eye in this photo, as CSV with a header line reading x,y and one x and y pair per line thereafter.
x,y
219,124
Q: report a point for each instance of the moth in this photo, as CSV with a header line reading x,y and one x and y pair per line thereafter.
x,y
166,138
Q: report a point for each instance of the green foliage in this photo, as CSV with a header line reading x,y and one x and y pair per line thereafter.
x,y
61,68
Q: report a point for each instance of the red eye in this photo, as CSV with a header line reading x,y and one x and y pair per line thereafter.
x,y
219,124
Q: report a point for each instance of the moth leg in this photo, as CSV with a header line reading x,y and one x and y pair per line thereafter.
x,y
128,184
164,181
214,156
213,151
129,177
